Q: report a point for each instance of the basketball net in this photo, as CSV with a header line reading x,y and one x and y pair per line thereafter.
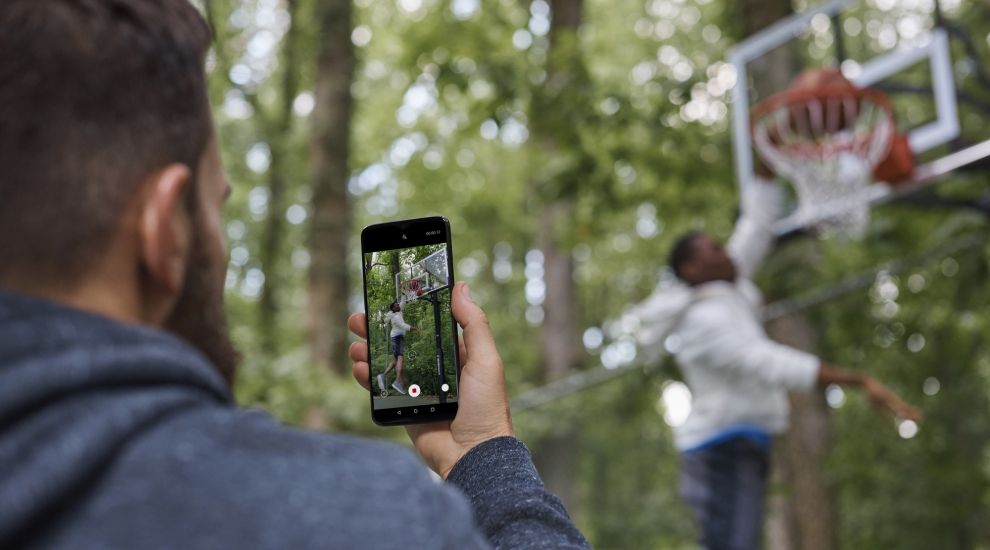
x,y
827,141
411,290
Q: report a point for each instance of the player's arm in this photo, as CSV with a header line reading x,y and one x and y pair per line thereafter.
x,y
881,396
710,337
762,202
401,323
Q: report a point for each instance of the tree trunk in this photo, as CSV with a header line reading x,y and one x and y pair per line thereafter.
x,y
802,504
560,343
809,513
330,224
774,71
556,456
271,248
278,136
561,354
781,523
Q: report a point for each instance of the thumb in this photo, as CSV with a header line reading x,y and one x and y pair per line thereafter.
x,y
478,338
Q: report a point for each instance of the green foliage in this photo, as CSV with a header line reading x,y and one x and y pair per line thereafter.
x,y
926,491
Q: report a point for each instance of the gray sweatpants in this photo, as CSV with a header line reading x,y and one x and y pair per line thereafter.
x,y
725,486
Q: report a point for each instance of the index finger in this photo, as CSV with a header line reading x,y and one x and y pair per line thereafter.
x,y
909,412
356,324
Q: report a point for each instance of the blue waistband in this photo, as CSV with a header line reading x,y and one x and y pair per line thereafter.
x,y
756,434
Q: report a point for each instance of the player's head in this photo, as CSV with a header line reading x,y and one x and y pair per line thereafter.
x,y
395,307
698,258
110,174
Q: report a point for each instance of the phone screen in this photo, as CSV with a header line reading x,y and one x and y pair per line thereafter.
x,y
412,338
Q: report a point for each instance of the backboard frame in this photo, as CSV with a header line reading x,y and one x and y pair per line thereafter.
x,y
420,270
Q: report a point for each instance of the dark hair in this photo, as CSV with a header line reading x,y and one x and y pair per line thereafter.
x,y
682,252
96,95
393,304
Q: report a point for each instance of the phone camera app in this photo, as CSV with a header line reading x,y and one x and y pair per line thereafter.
x,y
411,335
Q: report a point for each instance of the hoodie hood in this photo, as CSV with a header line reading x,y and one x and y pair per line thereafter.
x,y
650,322
64,414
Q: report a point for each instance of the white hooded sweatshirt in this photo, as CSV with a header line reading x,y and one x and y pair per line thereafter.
x,y
738,377
399,325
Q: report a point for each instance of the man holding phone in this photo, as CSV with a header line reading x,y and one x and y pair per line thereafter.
x,y
118,428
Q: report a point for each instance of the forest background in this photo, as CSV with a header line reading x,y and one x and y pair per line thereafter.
x,y
570,142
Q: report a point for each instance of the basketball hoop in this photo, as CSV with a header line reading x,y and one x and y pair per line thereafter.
x,y
411,289
829,138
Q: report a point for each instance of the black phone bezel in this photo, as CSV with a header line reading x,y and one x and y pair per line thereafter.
x,y
406,234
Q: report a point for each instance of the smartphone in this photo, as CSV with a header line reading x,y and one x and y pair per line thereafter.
x,y
408,271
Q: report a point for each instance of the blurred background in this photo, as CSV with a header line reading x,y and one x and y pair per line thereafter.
x,y
567,167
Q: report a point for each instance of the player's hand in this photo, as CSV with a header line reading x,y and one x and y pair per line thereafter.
x,y
483,403
885,399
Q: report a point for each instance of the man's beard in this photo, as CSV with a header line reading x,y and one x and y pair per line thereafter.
x,y
199,317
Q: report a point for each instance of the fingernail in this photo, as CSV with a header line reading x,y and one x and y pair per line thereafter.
x,y
467,293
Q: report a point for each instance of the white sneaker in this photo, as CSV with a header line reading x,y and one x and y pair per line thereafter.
x,y
398,388
381,383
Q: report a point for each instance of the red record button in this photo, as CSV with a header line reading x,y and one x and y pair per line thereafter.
x,y
414,391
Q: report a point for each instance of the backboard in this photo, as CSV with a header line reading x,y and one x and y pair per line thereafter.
x,y
422,278
907,50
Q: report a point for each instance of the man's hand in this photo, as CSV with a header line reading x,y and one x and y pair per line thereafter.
x,y
883,398
483,404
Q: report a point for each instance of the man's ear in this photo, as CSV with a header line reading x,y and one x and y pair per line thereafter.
x,y
165,226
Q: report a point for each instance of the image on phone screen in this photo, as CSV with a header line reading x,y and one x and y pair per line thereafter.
x,y
411,336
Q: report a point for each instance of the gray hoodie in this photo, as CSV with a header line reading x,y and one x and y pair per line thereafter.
x,y
116,436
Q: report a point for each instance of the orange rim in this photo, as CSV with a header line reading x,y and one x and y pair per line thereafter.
x,y
799,98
